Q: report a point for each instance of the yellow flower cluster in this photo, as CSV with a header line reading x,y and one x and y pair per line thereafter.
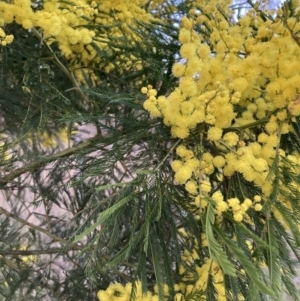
x,y
210,267
119,292
53,139
194,174
5,153
27,259
79,28
237,95
199,278
4,38
237,92
196,279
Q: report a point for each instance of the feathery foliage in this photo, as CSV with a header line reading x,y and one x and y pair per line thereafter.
x,y
149,150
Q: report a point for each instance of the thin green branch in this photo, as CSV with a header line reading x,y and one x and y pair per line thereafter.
x,y
10,263
39,252
63,68
35,227
167,155
39,229
43,161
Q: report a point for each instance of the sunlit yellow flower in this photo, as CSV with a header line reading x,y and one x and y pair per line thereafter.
x,y
178,69
231,138
183,174
219,161
214,134
191,187
257,207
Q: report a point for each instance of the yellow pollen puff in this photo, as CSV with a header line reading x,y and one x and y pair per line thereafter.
x,y
257,198
183,174
272,126
192,163
214,134
231,138
182,151
218,196
184,36
272,140
238,217
232,202
236,97
239,84
285,128
150,105
2,33
207,157
263,138
256,148
247,202
236,208
186,23
188,86
179,132
267,188
257,207
244,208
176,165
260,165
205,187
186,107
252,107
188,50
152,92
27,24
144,90
200,202
191,187
221,206
247,115
178,69
281,115
219,161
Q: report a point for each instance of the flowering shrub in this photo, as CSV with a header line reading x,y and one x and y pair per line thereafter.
x,y
229,210
238,93
235,107
80,28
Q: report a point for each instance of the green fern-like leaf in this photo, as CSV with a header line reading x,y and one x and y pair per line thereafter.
x,y
215,249
158,271
248,266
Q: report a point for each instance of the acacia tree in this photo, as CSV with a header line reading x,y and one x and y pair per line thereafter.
x,y
189,187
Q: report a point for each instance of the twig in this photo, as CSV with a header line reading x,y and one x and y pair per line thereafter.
x,y
43,161
37,228
39,252
9,263
63,68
